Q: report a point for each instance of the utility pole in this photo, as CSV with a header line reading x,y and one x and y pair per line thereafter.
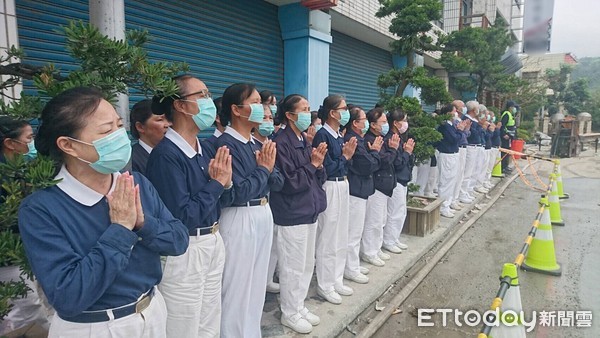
x,y
109,17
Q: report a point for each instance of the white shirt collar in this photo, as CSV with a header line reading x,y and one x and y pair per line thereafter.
x,y
217,133
472,118
182,144
333,133
237,135
79,191
144,145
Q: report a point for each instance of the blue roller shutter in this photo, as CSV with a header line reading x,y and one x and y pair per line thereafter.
x,y
354,67
224,42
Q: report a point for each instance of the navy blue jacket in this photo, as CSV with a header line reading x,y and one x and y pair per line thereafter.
x,y
463,134
403,165
361,167
385,177
185,186
83,261
450,138
250,181
488,139
139,158
335,163
475,137
302,197
496,138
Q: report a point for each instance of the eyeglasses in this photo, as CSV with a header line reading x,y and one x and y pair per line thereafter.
x,y
204,93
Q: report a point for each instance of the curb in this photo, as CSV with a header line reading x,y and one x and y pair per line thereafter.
x,y
449,237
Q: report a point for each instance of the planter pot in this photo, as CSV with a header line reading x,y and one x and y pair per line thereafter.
x,y
422,221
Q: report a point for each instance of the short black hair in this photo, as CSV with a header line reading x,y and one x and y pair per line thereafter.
x,y
234,94
374,114
65,115
287,105
329,103
396,115
10,127
140,112
447,109
266,96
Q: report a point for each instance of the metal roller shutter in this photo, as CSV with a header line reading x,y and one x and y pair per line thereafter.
x,y
224,42
354,67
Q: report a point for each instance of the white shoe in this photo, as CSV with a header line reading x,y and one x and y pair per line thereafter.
x,y
383,256
392,249
475,211
297,323
273,287
481,190
310,317
358,278
364,270
466,200
373,260
455,206
401,245
479,206
330,296
343,290
488,186
447,213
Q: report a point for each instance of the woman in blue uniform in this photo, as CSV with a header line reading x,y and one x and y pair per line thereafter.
x,y
403,165
193,186
149,129
295,210
95,239
360,179
332,232
247,225
385,182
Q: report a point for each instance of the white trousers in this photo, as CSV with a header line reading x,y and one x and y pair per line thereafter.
x,y
432,180
191,287
273,257
358,209
448,174
482,165
423,177
470,163
460,171
375,219
332,236
492,158
296,245
150,323
248,234
396,214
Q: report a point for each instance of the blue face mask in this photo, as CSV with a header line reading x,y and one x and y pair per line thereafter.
x,y
464,110
266,128
304,120
31,151
494,119
114,152
344,117
207,112
257,112
385,128
318,127
365,129
273,109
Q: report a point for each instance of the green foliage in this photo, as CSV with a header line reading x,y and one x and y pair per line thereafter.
x,y
588,68
19,179
410,22
526,130
477,52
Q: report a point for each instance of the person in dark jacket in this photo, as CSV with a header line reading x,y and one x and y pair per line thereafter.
x,y
332,231
403,164
474,142
385,182
360,178
508,132
296,208
149,129
482,164
448,159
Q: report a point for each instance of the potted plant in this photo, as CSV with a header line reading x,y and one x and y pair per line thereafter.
x,y
422,214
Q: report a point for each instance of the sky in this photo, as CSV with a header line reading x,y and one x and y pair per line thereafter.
x,y
576,27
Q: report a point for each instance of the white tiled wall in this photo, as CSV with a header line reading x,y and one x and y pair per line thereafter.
x,y
363,11
8,37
